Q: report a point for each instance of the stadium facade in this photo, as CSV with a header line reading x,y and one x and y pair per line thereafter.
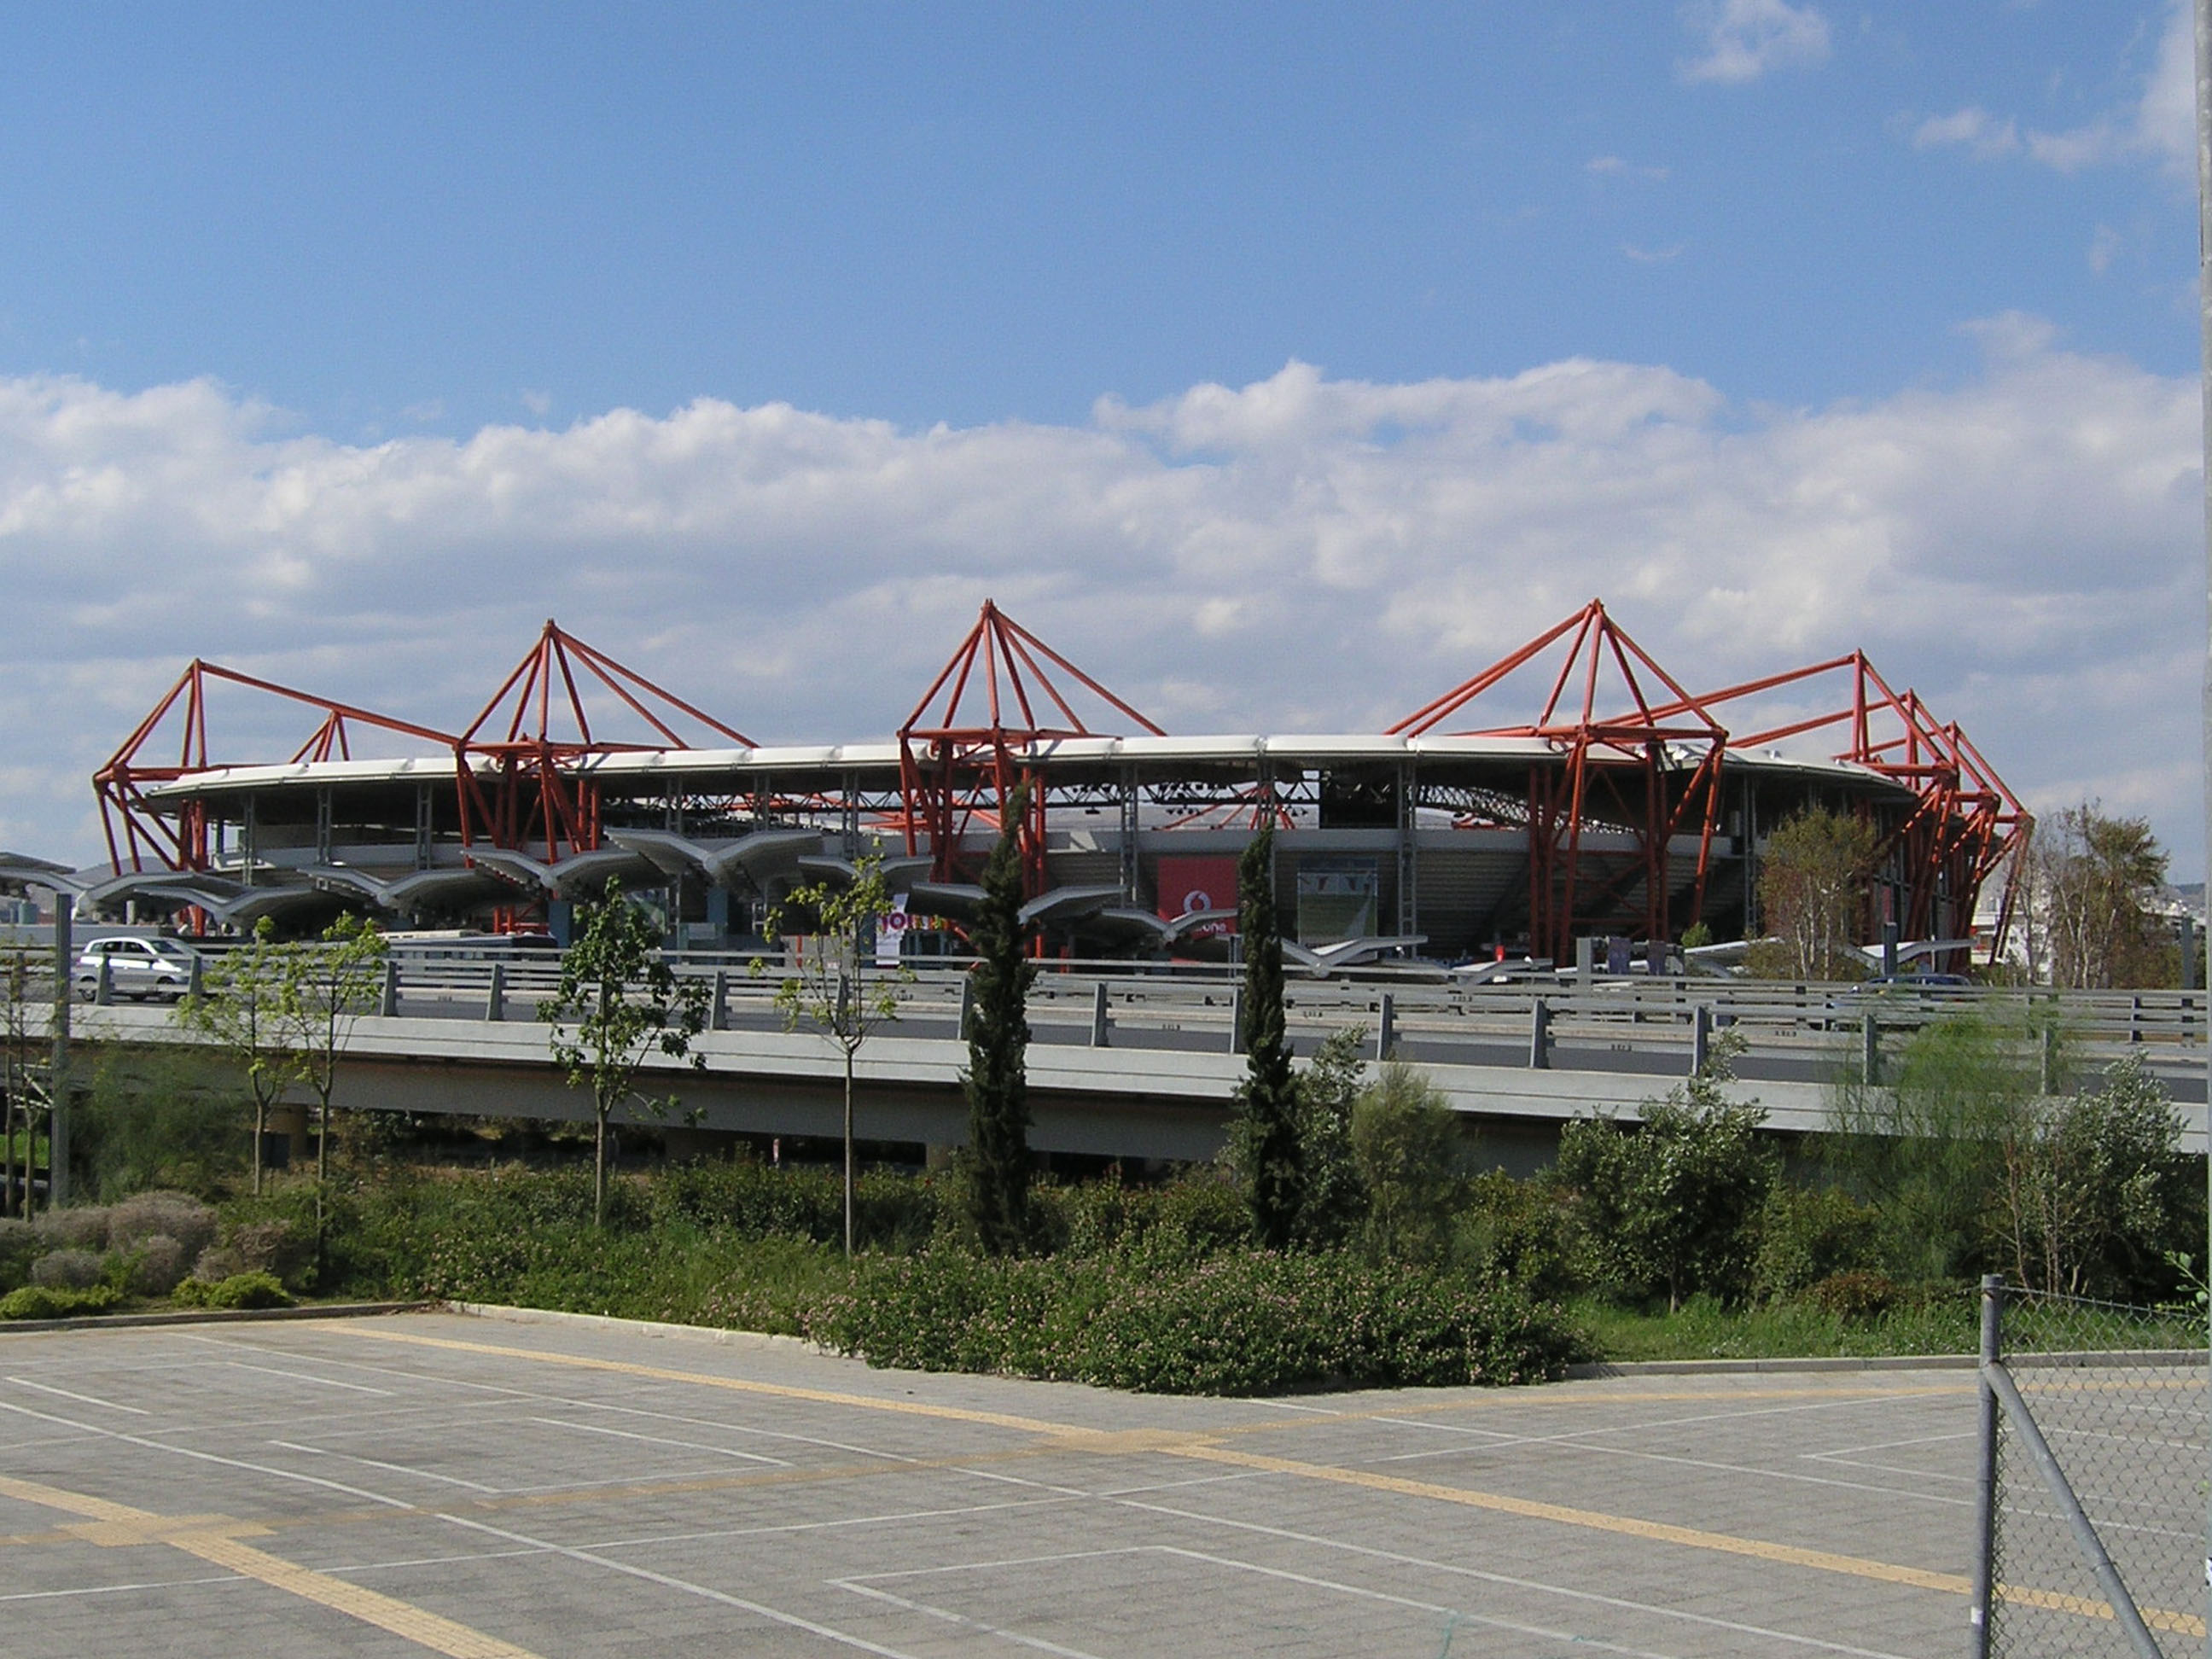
x,y
1627,807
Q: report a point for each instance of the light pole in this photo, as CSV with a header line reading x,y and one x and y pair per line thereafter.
x,y
2204,19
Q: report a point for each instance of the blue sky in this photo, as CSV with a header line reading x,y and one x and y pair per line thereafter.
x,y
1367,337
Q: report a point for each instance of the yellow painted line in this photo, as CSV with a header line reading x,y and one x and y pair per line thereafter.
x,y
708,1379
215,1538
1204,1446
1596,1520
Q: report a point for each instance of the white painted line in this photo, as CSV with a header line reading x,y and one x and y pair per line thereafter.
x,y
395,1468
790,1619
660,1440
210,1457
304,1376
822,1526
122,1590
1645,1609
976,1624
82,1398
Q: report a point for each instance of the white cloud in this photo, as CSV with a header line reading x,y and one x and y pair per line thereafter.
x,y
1974,128
1741,39
2158,123
1299,553
1613,167
1654,256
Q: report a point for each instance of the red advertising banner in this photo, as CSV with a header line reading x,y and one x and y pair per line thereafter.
x,y
1198,883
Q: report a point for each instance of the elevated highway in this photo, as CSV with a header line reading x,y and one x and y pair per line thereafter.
x,y
1143,1066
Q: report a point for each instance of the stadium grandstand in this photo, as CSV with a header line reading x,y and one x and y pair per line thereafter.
x,y
1626,806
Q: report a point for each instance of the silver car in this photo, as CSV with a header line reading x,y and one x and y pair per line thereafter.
x,y
139,969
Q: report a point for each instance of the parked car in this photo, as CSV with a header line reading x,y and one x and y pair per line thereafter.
x,y
141,968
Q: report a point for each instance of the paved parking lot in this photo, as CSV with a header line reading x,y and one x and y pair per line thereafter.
x,y
475,1488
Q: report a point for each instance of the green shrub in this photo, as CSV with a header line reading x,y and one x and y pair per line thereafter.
x,y
1670,1205
161,1117
53,1301
1410,1154
249,1289
1245,1323
1806,1234
19,1245
1197,1216
1519,1230
156,1265
1857,1295
66,1270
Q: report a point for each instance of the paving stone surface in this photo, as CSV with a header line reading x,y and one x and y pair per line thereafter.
x,y
436,1483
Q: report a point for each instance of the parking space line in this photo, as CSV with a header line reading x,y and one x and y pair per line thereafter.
x,y
216,1541
661,1440
82,1398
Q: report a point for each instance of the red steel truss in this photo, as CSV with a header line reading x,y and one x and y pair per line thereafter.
x,y
1968,825
521,784
120,784
1654,773
959,763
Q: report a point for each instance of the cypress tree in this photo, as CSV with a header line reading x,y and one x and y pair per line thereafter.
x,y
1266,1141
997,1079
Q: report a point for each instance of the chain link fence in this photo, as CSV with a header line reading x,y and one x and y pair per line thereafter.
x,y
2094,1465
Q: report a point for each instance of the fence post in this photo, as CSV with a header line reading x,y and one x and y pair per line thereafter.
x,y
196,982
1870,1051
1386,1026
1098,1015
2135,1019
967,1002
2047,1058
1236,1020
1539,1036
387,1001
1701,1037
718,1017
495,996
103,993
1985,1489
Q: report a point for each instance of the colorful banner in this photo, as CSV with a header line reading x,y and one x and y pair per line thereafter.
x,y
1198,884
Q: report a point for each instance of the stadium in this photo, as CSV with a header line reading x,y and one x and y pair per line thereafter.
x,y
1629,807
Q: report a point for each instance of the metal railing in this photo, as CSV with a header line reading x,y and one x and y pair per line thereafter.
x,y
2092,1492
1804,1028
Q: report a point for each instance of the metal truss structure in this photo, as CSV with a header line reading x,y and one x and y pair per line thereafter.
x,y
136,831
1625,805
959,763
521,781
1967,826
1651,772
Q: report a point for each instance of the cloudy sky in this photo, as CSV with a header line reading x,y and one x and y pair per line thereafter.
x,y
1281,365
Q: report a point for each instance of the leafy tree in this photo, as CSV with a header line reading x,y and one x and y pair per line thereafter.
x,y
2097,1192
1930,1150
1812,893
1264,1139
1407,1148
2093,880
1328,1091
18,1087
1672,1204
998,1165
834,986
326,986
157,1118
240,1008
617,1003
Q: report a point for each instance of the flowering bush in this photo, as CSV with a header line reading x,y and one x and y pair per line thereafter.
x,y
1249,1322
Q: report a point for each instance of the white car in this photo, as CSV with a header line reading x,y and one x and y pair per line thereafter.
x,y
139,969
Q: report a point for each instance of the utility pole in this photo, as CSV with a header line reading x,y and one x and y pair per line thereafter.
x,y
2204,11
58,1083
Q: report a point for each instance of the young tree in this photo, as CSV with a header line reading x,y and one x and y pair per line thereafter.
x,y
240,1008
618,1002
327,986
833,985
1672,1204
1328,1095
18,1077
2092,881
1264,1135
1410,1154
1812,892
997,1082
2097,1191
